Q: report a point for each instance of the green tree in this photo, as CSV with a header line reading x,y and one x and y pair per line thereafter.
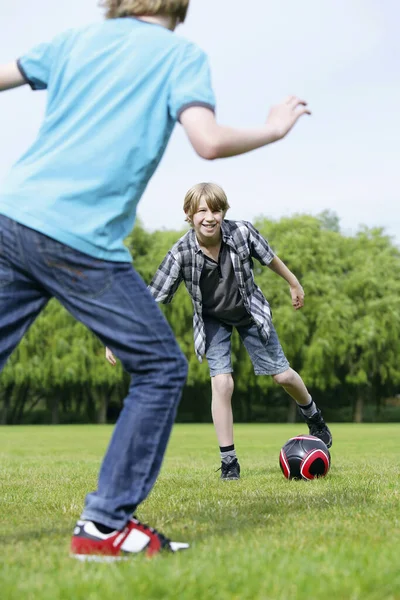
x,y
345,343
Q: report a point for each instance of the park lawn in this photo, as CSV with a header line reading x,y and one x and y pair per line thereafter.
x,y
258,538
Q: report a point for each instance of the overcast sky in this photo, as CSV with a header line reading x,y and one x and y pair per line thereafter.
x,y
343,57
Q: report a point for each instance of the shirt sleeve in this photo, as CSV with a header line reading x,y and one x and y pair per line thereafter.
x,y
191,84
166,280
35,66
259,247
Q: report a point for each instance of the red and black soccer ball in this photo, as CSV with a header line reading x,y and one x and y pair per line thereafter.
x,y
304,457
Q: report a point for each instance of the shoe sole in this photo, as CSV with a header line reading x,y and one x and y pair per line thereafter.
x,y
100,558
176,547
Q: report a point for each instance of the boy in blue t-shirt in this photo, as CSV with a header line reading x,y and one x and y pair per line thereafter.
x,y
115,91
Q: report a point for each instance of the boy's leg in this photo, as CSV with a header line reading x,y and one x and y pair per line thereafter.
x,y
21,297
269,359
140,337
221,407
113,301
218,354
293,384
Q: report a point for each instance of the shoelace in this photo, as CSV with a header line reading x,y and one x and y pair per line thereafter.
x,y
164,540
316,418
226,467
318,427
317,430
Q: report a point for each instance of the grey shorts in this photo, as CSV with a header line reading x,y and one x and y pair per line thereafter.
x,y
267,358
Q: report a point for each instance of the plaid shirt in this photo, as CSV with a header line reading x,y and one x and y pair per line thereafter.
x,y
184,262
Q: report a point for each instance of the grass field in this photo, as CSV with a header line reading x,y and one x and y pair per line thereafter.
x,y
258,538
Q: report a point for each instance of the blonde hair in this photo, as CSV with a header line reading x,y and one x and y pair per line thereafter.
x,y
139,8
212,193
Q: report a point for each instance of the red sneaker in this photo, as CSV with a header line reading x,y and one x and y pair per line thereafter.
x,y
88,543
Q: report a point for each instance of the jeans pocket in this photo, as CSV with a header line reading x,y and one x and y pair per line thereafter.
x,y
75,272
6,270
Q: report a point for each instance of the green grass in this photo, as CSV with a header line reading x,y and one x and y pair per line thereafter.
x,y
259,538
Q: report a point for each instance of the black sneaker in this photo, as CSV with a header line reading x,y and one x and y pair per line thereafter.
x,y
230,469
318,427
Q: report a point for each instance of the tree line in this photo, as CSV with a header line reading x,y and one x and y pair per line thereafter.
x,y
345,342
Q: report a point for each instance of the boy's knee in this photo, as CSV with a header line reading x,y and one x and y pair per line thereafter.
x,y
222,382
171,367
285,378
176,366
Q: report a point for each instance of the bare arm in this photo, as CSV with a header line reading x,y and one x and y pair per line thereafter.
x,y
296,291
10,77
211,140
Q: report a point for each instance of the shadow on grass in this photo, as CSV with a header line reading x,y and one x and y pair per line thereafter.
x,y
34,535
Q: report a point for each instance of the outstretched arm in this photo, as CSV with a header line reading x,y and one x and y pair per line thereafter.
x,y
296,291
10,77
211,140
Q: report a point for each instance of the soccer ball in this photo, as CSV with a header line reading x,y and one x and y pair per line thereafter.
x,y
304,457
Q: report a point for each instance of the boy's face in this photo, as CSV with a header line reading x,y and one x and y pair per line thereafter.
x,y
207,223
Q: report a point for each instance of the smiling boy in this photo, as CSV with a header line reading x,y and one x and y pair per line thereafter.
x,y
214,260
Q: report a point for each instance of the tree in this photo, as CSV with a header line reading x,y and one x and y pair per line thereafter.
x,y
345,343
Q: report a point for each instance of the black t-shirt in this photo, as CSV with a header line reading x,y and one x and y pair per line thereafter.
x,y
220,292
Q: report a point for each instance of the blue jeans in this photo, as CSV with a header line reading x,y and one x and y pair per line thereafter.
x,y
113,301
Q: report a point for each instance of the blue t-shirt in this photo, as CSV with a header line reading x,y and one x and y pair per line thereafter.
x,y
115,91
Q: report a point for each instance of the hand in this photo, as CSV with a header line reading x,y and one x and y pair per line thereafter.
x,y
110,357
283,116
297,293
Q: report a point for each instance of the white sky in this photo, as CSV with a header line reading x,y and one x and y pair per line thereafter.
x,y
343,57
